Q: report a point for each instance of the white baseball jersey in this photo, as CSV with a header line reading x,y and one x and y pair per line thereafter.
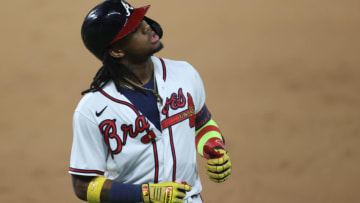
x,y
112,138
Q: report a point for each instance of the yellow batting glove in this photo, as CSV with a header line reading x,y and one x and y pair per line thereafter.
x,y
168,192
219,166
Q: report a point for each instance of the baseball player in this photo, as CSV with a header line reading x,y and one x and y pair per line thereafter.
x,y
140,124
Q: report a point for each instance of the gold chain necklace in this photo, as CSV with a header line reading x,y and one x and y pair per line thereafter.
x,y
153,91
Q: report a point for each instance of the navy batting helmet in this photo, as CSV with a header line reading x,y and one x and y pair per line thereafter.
x,y
110,21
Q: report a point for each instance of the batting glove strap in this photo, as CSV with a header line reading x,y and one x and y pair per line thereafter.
x,y
145,193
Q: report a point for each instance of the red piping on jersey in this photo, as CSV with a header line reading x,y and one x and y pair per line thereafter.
x,y
164,68
86,171
119,101
156,159
173,153
156,178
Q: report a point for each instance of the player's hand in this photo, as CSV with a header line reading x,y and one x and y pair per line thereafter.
x,y
169,192
219,165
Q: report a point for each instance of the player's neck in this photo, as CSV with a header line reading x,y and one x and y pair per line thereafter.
x,y
143,71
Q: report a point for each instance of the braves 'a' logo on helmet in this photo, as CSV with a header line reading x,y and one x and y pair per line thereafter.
x,y
127,7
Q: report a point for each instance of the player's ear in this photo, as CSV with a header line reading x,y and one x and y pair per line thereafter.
x,y
116,52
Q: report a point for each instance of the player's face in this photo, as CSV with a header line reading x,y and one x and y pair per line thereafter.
x,y
142,43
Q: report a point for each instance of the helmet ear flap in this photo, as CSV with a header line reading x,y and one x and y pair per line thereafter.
x,y
154,25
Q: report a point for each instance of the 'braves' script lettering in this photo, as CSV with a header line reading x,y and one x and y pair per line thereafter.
x,y
109,130
188,113
140,125
175,101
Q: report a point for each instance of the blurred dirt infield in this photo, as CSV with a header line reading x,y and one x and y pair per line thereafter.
x,y
282,81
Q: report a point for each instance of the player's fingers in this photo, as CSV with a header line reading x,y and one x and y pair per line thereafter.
x,y
218,161
220,180
188,188
215,168
219,175
180,191
180,194
184,187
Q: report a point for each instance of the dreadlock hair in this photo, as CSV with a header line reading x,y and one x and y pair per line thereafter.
x,y
112,69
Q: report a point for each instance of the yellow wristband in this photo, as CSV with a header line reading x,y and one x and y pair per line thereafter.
x,y
145,191
94,189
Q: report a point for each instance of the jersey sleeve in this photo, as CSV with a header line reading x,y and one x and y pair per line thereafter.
x,y
88,153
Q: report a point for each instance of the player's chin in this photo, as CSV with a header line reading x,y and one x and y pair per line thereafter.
x,y
158,47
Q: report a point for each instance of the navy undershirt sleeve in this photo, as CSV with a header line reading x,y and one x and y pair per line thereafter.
x,y
120,192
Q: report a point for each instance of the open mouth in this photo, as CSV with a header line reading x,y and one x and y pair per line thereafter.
x,y
154,38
